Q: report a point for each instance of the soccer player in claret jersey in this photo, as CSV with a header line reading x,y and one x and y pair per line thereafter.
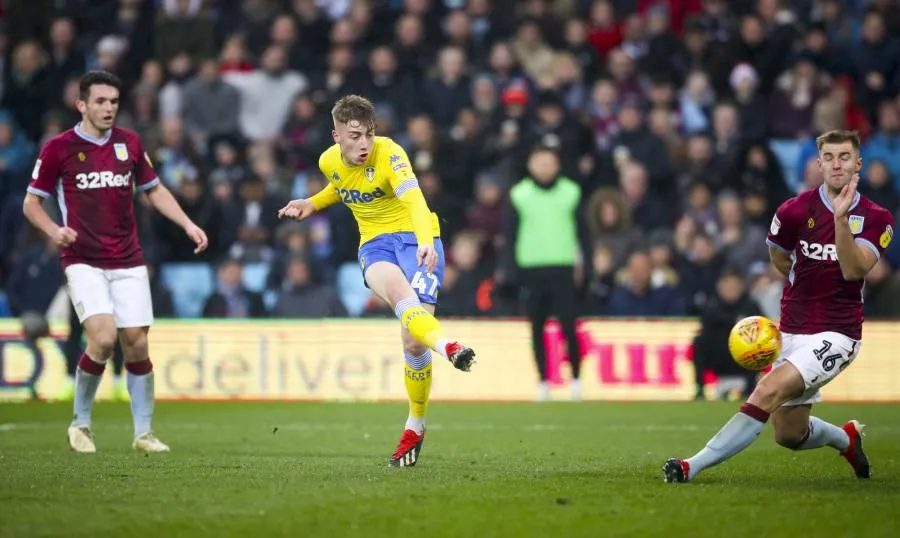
x,y
93,170
400,253
825,242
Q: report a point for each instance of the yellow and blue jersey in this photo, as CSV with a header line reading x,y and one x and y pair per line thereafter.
x,y
378,192
394,220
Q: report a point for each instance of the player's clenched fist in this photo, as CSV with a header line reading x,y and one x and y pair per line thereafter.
x,y
65,236
297,209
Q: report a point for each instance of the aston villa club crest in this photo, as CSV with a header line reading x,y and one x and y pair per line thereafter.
x,y
856,224
810,223
81,156
121,151
370,174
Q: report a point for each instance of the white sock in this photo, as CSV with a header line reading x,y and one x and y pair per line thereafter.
x,y
442,347
416,424
823,433
737,434
141,389
86,385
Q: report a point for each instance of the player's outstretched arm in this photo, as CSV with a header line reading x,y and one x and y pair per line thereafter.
x,y
33,209
303,208
165,203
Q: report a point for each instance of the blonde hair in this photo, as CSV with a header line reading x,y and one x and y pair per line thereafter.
x,y
354,107
838,136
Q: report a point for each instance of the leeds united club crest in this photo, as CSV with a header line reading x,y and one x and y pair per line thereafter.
x,y
370,174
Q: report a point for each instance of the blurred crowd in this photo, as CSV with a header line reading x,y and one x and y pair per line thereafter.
x,y
686,123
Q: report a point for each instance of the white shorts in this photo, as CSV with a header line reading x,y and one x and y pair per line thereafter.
x,y
124,293
819,357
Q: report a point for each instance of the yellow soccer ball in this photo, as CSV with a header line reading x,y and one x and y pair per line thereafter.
x,y
755,342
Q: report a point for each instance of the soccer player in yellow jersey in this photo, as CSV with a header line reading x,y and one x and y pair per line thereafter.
x,y
400,253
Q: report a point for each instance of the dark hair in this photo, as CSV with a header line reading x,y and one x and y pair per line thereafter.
x,y
96,78
731,272
354,107
838,136
541,148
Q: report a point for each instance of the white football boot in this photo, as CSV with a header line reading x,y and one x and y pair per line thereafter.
x,y
147,442
81,439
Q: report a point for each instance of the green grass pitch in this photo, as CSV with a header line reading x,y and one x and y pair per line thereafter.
x,y
559,470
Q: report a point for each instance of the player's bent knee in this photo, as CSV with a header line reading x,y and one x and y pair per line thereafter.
x,y
790,439
411,345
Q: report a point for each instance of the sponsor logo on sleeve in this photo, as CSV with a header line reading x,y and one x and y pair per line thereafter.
x,y
886,236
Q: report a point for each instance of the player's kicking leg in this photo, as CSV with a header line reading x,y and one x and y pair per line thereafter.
x,y
795,380
388,281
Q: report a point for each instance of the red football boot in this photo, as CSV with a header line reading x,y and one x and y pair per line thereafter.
x,y
460,356
408,449
855,455
676,470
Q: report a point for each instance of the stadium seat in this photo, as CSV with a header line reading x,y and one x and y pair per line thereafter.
x,y
270,299
191,284
788,154
255,276
4,306
352,288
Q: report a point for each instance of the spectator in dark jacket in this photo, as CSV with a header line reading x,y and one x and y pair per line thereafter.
x,y
635,296
300,297
231,300
729,305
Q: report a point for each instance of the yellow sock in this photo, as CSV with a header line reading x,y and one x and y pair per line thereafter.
x,y
423,326
417,376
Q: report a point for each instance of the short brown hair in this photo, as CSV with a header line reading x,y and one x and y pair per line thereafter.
x,y
838,136
354,107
